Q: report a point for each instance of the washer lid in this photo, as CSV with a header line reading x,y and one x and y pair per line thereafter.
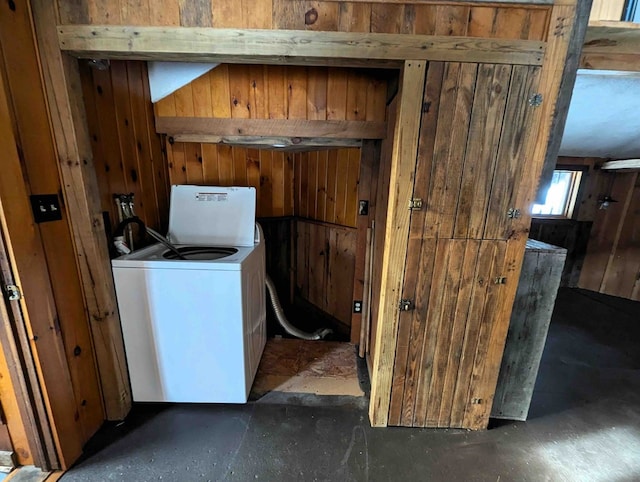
x,y
211,215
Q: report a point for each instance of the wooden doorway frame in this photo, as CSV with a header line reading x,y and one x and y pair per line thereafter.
x,y
151,43
23,401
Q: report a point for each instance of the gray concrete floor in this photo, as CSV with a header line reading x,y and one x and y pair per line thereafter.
x,y
584,426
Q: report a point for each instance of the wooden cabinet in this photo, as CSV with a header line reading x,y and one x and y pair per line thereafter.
x,y
464,248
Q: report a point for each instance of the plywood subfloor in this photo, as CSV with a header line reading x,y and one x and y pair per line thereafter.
x,y
300,366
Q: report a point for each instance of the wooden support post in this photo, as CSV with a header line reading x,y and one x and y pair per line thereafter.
x,y
564,97
403,165
80,189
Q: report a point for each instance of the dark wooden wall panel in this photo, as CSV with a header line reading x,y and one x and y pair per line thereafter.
x,y
325,266
612,263
128,154
512,22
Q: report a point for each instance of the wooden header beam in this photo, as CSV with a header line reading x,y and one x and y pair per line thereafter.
x,y
624,165
612,48
208,126
289,46
283,143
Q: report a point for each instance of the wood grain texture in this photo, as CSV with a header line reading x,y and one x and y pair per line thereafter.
x,y
326,267
270,172
328,191
530,319
405,147
611,263
293,46
80,188
28,269
196,126
39,160
272,92
127,150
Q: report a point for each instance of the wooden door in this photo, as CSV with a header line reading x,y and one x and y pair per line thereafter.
x,y
464,251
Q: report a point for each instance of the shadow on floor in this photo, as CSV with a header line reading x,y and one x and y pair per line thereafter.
x,y
592,353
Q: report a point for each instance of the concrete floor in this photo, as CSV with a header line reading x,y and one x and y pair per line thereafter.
x,y
584,426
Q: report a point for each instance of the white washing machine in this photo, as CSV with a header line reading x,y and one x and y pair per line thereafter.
x,y
194,330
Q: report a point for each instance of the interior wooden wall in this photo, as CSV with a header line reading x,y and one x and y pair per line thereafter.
x,y
602,244
326,187
269,171
44,253
612,263
514,22
281,92
127,152
325,266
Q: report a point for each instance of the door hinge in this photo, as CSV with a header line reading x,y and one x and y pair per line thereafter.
x,y
536,100
13,292
513,213
415,204
500,280
406,305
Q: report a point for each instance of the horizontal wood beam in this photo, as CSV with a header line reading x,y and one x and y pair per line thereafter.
x,y
612,48
288,46
280,143
529,3
178,127
625,164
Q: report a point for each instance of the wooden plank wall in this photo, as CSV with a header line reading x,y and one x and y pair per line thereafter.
x,y
281,92
325,266
127,152
602,244
512,22
612,263
269,171
32,136
326,187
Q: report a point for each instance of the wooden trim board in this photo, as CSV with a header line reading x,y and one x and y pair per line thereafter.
x,y
80,186
209,126
403,164
612,48
288,46
269,142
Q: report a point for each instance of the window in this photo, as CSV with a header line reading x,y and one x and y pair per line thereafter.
x,y
631,11
561,196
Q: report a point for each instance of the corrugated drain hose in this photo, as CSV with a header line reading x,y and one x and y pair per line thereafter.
x,y
282,319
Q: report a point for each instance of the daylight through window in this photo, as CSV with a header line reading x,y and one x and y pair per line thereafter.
x,y
561,195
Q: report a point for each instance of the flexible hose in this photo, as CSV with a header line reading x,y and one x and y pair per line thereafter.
x,y
282,319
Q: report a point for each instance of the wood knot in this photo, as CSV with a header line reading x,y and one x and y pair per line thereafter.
x,y
311,17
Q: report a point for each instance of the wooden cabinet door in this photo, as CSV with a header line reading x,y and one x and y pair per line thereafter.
x,y
464,251
476,132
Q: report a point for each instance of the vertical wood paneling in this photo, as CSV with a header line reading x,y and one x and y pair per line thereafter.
x,y
281,92
327,190
270,172
129,152
325,267
612,262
